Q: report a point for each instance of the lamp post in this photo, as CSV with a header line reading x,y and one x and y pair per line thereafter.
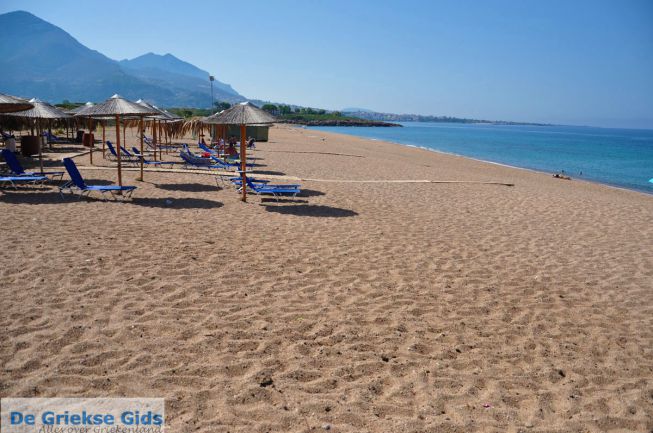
x,y
211,80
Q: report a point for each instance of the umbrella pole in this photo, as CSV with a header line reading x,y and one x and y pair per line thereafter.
x,y
90,144
160,148
167,137
118,150
103,140
40,150
243,160
154,136
142,128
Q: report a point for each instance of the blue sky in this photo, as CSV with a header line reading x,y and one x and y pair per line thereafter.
x,y
573,62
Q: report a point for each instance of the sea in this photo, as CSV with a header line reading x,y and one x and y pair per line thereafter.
x,y
617,157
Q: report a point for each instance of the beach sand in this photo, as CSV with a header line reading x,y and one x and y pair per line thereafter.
x,y
373,306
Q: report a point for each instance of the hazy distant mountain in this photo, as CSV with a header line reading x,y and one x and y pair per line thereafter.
x,y
167,62
42,60
167,70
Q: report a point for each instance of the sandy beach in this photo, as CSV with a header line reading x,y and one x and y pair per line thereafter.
x,y
404,291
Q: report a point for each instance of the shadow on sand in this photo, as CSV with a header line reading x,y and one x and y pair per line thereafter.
x,y
176,203
188,187
309,210
296,199
38,196
270,172
310,193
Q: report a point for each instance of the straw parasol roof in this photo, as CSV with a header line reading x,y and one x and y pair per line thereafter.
x,y
159,114
117,105
11,104
244,113
81,109
41,110
172,116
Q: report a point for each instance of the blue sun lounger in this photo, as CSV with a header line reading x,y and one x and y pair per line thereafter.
x,y
13,180
276,191
197,162
206,148
216,156
113,155
238,181
228,165
77,183
17,169
51,137
137,154
148,141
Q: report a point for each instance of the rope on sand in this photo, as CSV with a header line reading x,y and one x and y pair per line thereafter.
x,y
293,178
314,153
479,182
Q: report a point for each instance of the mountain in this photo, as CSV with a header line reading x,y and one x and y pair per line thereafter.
x,y
172,73
42,60
168,62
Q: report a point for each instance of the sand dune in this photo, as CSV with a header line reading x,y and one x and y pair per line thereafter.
x,y
359,307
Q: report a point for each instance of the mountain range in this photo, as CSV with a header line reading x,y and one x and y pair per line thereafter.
x,y
41,60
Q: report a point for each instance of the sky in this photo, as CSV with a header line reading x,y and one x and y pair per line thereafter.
x,y
581,62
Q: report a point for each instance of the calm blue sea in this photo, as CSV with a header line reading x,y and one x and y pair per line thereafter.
x,y
619,157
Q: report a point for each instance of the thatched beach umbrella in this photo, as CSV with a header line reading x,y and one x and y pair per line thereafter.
x,y
172,125
171,116
41,111
117,106
242,114
83,112
80,109
12,104
157,116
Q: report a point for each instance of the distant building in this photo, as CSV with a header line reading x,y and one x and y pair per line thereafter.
x,y
259,133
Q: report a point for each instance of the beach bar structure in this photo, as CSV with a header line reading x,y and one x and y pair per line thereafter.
x,y
257,132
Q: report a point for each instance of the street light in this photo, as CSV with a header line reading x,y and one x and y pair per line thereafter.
x,y
212,79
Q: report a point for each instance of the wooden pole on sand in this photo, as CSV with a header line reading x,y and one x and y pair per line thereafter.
x,y
40,140
154,136
103,140
142,132
243,159
91,140
118,150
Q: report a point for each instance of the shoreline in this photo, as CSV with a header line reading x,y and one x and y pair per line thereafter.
x,y
532,170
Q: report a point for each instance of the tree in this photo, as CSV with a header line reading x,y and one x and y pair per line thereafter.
x,y
270,108
222,105
67,105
